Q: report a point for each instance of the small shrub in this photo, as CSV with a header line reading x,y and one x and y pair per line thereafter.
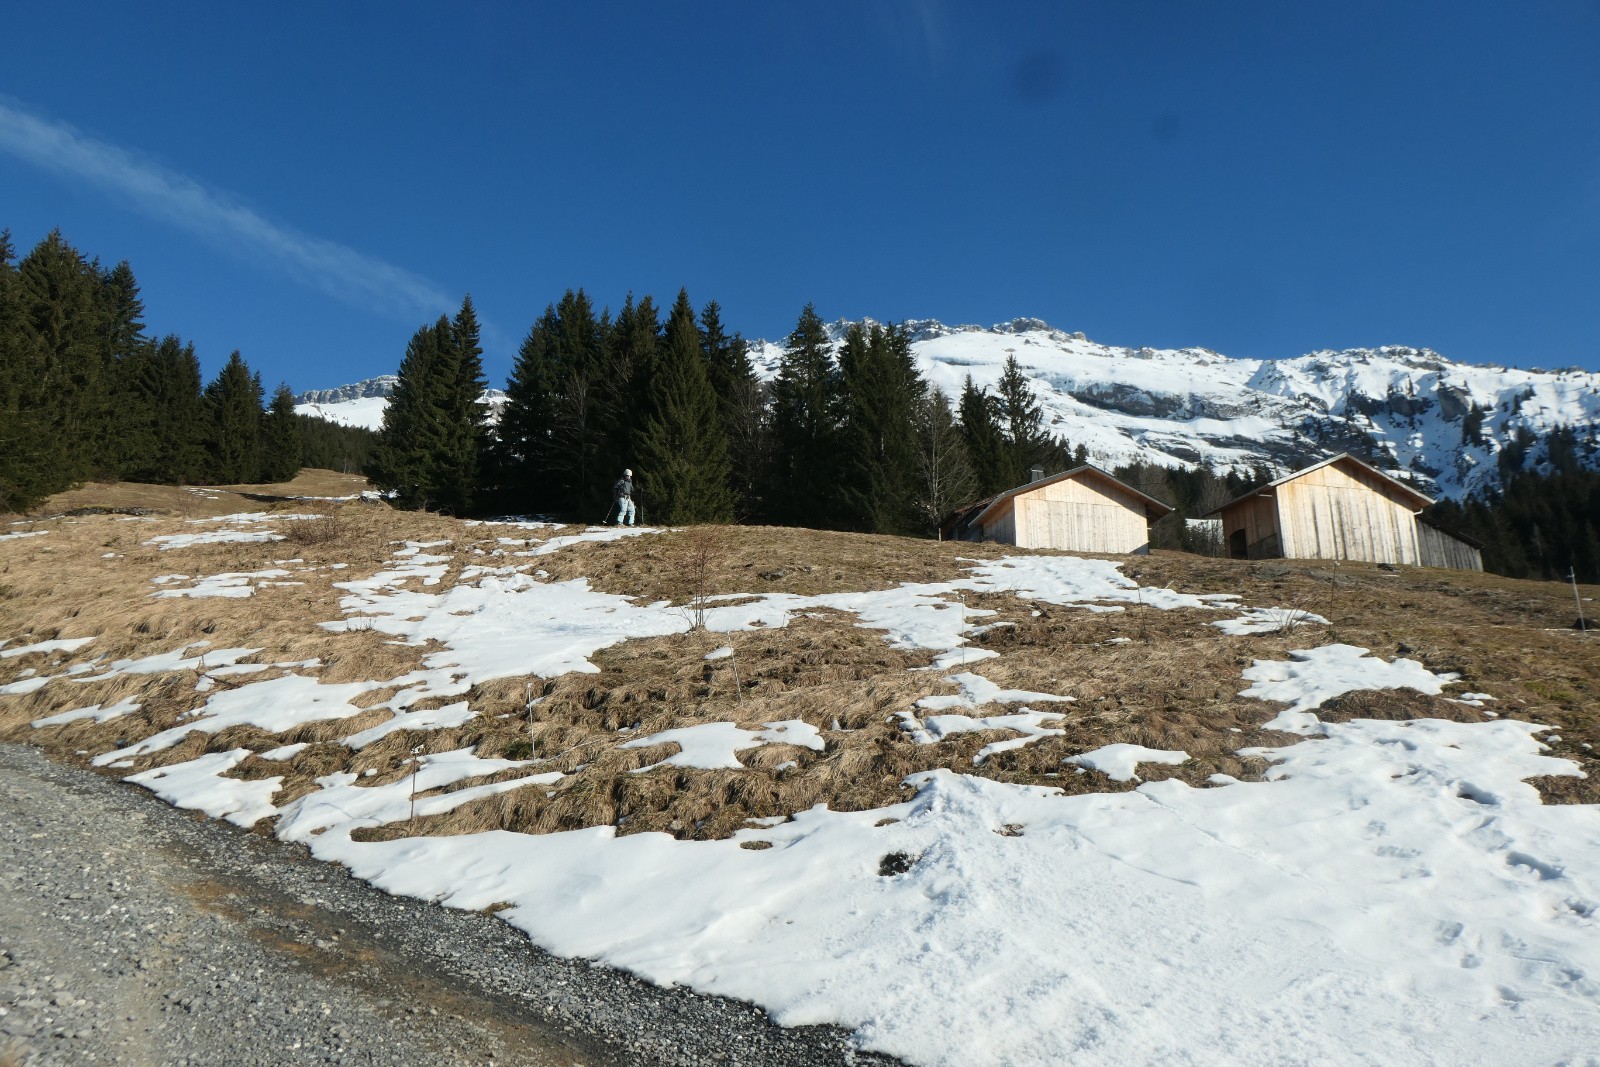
x,y
325,529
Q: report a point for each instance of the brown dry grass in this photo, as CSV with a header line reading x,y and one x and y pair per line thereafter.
x,y
1173,684
310,482
197,501
763,559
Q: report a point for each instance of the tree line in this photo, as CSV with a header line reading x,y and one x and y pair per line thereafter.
x,y
86,394
850,439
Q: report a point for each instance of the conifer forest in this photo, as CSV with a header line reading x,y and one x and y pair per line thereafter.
x,y
847,436
87,395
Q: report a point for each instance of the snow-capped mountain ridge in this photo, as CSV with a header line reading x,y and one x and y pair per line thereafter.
x,y
1416,413
362,403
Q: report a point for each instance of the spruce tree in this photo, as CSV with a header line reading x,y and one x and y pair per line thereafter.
x,y
625,390
523,460
136,441
65,363
984,440
280,438
882,391
233,400
944,477
171,386
741,405
30,469
1021,419
806,402
415,433
123,310
682,453
124,441
577,440
466,417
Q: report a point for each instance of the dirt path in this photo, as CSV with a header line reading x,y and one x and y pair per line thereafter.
x,y
132,933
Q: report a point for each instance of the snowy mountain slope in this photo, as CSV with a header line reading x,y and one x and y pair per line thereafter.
x,y
362,403
1411,410
1407,408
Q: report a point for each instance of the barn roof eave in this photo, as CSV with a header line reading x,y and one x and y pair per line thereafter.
x,y
1154,509
1415,494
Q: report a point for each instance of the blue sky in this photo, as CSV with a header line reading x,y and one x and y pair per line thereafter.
x,y
310,182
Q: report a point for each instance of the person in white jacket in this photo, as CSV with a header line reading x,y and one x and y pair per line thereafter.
x,y
622,500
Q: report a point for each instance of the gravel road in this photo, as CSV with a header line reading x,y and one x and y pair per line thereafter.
x,y
134,933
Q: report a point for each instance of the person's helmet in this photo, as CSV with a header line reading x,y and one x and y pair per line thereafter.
x,y
627,474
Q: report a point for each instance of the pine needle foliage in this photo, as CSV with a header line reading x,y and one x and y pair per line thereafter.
x,y
682,455
944,476
280,438
807,401
992,467
883,393
233,401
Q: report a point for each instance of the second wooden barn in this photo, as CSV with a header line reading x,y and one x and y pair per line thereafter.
x,y
1080,510
1341,508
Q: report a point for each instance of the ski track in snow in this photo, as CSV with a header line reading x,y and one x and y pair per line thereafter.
x,y
1394,892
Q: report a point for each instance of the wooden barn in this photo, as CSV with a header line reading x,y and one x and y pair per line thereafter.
x,y
1080,510
1341,508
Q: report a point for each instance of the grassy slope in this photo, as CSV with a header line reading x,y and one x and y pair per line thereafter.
x,y
1173,685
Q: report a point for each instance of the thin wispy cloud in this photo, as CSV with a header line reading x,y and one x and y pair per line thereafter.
x,y
335,269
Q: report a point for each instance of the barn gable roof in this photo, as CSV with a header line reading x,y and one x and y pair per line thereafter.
x,y
1154,509
1421,500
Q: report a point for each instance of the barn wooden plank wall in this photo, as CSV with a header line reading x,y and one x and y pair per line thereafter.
x,y
1341,512
1439,549
1256,518
1002,528
1082,514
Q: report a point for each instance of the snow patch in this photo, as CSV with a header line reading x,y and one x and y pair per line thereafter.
x,y
1120,761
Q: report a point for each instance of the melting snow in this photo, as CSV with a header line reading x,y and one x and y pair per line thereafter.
x,y
235,584
977,690
936,728
592,534
431,719
1119,762
1268,621
68,644
1313,676
96,712
713,745
341,803
1394,892
1285,914
199,785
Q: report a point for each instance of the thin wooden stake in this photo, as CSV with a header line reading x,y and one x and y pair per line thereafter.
x,y
1572,576
528,706
416,765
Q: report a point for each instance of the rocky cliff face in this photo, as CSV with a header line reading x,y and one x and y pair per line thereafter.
x,y
381,386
